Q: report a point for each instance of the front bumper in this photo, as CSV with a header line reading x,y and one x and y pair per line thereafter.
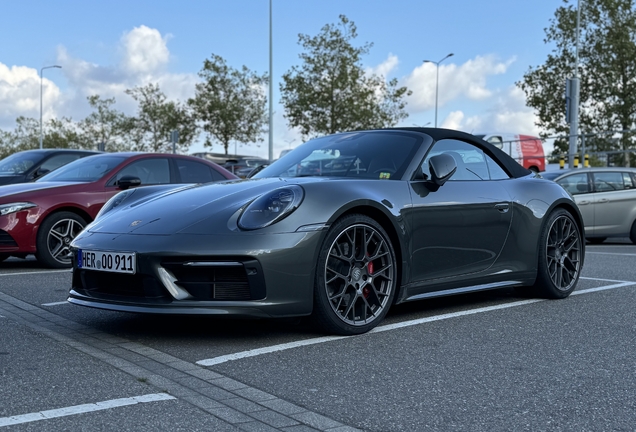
x,y
239,275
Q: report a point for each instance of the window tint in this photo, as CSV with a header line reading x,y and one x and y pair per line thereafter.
x,y
373,155
627,180
472,162
608,181
575,184
149,171
88,169
196,172
57,161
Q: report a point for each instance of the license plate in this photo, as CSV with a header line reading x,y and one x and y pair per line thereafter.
x,y
115,262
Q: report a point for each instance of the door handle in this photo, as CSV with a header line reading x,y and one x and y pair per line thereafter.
x,y
583,202
604,200
502,207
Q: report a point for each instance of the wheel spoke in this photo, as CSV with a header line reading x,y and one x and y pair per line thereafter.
x,y
353,300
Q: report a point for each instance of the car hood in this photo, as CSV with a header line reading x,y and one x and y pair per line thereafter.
x,y
207,206
15,190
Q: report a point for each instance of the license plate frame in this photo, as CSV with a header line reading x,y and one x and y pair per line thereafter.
x,y
116,261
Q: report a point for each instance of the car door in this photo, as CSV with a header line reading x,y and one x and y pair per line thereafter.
x,y
579,185
614,199
460,228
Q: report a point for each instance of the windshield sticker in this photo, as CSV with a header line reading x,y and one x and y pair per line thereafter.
x,y
385,175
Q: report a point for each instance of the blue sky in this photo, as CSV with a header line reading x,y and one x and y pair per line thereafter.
x,y
107,47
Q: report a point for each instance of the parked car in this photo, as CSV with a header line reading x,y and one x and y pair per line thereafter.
x,y
393,215
525,149
243,166
43,217
606,198
28,165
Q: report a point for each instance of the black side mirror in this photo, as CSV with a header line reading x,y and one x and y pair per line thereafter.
x,y
128,181
40,172
442,167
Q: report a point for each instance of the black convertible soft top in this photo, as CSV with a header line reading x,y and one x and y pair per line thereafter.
x,y
512,166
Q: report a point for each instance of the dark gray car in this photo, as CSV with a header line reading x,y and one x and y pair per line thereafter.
x,y
606,198
29,165
341,228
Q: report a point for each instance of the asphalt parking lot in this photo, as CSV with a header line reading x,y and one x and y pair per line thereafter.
x,y
487,361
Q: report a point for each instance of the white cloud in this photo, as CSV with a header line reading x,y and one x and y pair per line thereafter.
x,y
453,121
508,113
20,94
145,51
384,68
468,80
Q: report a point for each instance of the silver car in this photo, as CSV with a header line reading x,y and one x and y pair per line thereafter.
x,y
606,198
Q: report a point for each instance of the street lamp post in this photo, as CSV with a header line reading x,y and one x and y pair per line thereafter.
x,y
436,63
41,73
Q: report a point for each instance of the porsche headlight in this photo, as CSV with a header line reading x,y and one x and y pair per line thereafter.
x,y
6,209
115,201
271,207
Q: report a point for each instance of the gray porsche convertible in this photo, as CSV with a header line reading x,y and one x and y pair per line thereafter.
x,y
340,229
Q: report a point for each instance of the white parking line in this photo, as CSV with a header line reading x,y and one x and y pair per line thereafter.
x,y
80,409
55,303
35,272
609,253
282,347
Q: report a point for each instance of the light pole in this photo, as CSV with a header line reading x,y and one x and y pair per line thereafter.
x,y
436,63
271,89
41,73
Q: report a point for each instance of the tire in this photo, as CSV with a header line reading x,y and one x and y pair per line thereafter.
x,y
596,240
54,238
560,256
356,277
632,233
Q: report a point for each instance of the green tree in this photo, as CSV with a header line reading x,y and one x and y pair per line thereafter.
x,y
230,103
607,71
331,92
61,133
105,125
156,118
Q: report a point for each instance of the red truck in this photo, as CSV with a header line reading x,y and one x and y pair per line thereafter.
x,y
525,149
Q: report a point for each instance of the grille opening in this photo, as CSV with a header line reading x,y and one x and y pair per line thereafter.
x,y
6,239
117,286
212,282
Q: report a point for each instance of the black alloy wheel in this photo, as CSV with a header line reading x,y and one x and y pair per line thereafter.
x,y
356,277
560,256
54,239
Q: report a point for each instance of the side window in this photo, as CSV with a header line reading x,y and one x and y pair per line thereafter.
x,y
608,181
149,171
196,172
627,180
57,161
472,163
575,184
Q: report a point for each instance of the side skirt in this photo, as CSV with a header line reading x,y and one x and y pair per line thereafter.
x,y
464,290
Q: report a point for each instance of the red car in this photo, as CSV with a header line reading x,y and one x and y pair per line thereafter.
x,y
43,217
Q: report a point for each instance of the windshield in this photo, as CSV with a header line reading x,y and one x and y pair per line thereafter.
x,y
19,163
85,170
375,155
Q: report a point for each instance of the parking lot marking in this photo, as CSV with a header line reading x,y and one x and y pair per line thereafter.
x,y
81,409
610,253
35,272
55,303
388,327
